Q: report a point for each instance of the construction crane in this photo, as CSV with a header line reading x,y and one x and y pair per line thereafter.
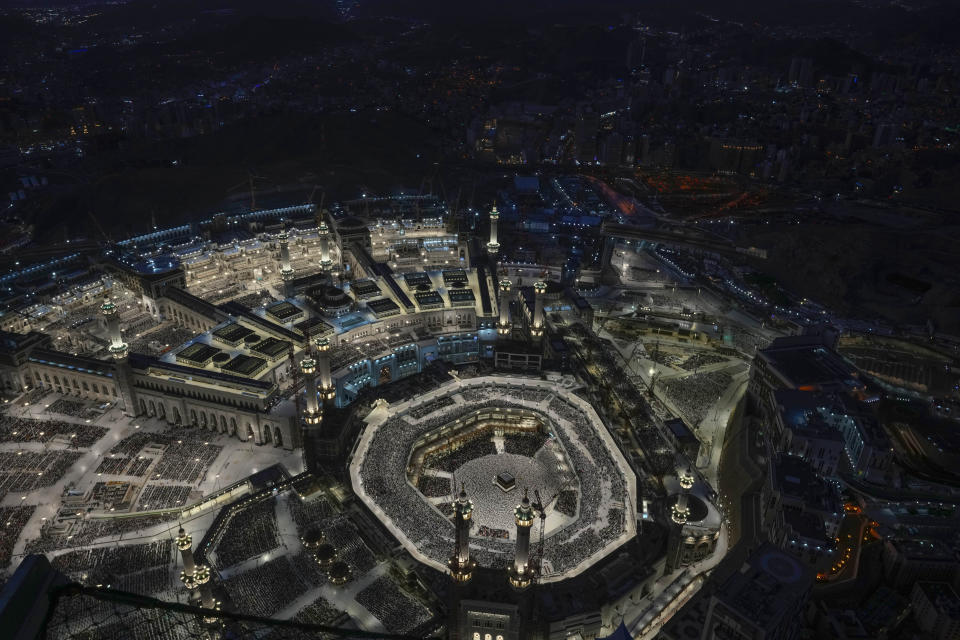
x,y
99,226
539,508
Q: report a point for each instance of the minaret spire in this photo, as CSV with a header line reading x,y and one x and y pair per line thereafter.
x,y
503,326
520,572
325,262
493,246
460,563
286,271
196,576
539,290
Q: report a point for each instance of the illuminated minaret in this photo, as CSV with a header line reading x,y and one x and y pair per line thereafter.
x,y
286,271
195,576
503,327
460,563
117,347
327,390
539,289
681,510
521,573
493,246
311,412
325,261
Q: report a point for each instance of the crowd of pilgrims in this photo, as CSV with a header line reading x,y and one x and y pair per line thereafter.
x,y
181,458
12,522
268,587
384,467
695,395
138,568
15,429
396,610
249,532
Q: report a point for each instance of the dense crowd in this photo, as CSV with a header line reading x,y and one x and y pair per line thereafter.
x,y
12,522
91,529
249,532
451,460
308,513
429,407
30,430
345,538
158,496
183,458
396,610
68,407
566,503
695,395
601,483
148,582
24,471
266,588
573,544
524,444
535,395
115,560
492,506
320,611
698,360
434,486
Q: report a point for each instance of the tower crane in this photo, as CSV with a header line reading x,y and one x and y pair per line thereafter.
x,y
540,508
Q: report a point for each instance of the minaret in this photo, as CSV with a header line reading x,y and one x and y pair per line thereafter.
x,y
117,347
327,390
286,271
460,563
681,510
503,327
195,576
539,289
493,246
520,573
325,262
311,412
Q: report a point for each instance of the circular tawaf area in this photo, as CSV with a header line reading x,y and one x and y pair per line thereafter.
x,y
497,437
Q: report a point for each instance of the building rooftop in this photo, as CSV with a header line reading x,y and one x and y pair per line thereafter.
x,y
943,597
271,347
767,588
197,354
809,367
794,478
245,365
232,332
284,310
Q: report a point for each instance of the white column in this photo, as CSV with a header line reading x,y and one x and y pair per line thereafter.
x,y
493,246
325,261
539,288
327,389
117,346
311,413
503,326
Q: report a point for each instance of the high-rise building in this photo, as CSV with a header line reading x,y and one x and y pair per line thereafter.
x,y
765,600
